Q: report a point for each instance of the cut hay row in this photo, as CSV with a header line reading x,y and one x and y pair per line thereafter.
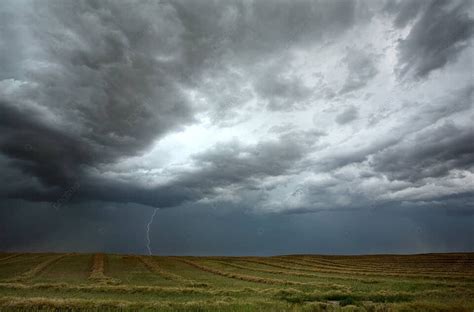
x,y
71,304
242,277
153,267
393,256
374,270
335,271
22,258
399,260
372,279
317,265
37,269
380,296
334,263
466,263
277,300
243,267
394,259
98,267
388,271
164,290
286,267
321,262
133,289
97,273
459,267
298,274
292,272
283,272
327,264
10,257
383,264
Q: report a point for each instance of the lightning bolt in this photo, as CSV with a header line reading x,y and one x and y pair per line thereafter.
x,y
148,231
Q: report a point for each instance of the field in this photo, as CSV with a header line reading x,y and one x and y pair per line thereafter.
x,y
108,282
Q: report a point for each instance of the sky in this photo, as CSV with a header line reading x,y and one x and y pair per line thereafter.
x,y
237,127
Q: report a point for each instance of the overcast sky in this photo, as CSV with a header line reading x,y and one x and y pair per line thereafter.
x,y
255,127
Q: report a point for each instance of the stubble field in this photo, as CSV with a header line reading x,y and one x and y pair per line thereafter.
x,y
109,282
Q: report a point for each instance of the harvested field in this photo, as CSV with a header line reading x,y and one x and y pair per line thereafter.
x,y
100,282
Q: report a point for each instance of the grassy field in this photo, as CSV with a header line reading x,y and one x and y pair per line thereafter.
x,y
98,282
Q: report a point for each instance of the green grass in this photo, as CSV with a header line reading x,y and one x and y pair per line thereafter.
x,y
84,282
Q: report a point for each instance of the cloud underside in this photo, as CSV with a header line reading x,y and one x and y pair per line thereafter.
x,y
279,106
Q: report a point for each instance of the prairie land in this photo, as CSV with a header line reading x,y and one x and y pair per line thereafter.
x,y
110,282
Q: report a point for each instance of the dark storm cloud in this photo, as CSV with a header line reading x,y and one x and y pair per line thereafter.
x,y
232,164
241,34
437,152
51,155
98,85
206,107
442,31
106,79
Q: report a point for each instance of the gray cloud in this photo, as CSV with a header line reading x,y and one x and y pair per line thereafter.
x,y
197,104
255,28
460,100
230,165
282,93
225,169
96,90
348,115
361,68
119,101
405,11
437,37
257,38
109,77
437,152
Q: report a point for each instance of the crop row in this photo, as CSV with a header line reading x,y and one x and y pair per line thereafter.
x,y
14,303
153,267
382,264
305,268
163,290
10,257
268,299
243,277
97,273
132,289
271,271
374,270
37,269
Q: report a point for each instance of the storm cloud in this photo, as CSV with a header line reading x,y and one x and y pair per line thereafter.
x,y
260,108
440,33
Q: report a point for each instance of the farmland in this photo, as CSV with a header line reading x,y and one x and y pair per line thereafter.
x,y
108,282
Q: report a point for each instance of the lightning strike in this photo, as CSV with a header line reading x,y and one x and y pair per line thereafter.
x,y
148,231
